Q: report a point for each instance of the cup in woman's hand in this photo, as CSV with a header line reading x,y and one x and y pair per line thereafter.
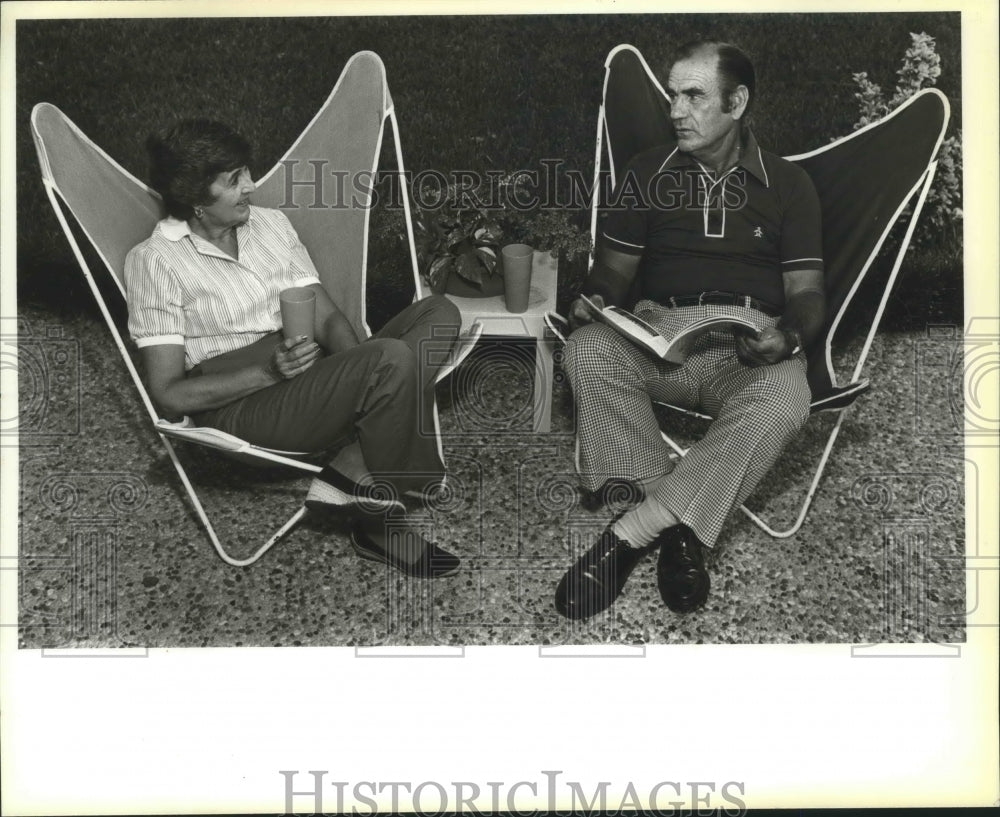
x,y
298,312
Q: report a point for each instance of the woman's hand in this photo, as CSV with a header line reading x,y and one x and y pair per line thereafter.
x,y
292,357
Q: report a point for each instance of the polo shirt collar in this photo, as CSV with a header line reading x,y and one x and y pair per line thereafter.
x,y
751,160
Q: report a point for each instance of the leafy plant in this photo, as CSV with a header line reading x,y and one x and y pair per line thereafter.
x,y
462,229
456,234
552,230
942,213
547,228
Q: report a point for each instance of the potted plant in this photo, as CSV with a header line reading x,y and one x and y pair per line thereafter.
x,y
458,245
458,238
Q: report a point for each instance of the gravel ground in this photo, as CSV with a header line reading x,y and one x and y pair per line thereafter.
x,y
112,554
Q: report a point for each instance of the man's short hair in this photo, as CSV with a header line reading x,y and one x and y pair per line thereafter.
x,y
734,68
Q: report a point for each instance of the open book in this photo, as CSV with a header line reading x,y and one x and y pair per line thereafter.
x,y
673,350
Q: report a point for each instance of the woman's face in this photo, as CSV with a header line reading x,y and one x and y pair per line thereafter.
x,y
230,194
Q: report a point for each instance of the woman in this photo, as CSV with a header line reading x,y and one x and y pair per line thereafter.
x,y
204,312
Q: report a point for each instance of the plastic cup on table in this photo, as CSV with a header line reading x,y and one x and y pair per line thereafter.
x,y
517,276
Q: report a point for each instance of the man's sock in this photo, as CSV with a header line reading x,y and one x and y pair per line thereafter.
x,y
641,525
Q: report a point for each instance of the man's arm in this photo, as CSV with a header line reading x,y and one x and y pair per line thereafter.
x,y
609,282
805,305
799,325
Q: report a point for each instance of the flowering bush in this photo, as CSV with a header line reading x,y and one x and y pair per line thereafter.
x,y
942,213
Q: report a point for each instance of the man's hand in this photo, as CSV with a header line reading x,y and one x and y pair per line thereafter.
x,y
771,345
579,312
292,357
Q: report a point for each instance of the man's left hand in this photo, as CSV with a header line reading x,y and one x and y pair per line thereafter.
x,y
769,346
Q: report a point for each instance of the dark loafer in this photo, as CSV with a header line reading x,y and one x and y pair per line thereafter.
x,y
596,580
680,569
433,563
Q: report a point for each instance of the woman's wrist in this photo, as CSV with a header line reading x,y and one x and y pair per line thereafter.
x,y
272,372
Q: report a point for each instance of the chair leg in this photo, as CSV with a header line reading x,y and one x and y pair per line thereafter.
x,y
759,521
543,386
807,502
210,529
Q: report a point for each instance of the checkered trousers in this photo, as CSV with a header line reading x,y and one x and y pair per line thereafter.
x,y
756,411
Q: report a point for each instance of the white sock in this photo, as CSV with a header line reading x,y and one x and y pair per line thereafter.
x,y
641,525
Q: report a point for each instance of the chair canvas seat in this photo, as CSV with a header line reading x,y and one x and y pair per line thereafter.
x,y
116,211
865,182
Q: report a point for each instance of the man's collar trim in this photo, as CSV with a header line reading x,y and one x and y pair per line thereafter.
x,y
752,159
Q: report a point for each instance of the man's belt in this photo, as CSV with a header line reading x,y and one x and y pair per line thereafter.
x,y
723,299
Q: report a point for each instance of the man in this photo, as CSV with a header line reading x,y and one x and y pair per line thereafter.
x,y
710,226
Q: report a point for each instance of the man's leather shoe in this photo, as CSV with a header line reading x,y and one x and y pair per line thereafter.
x,y
596,580
680,569
433,562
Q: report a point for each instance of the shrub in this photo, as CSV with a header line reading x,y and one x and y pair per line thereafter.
x,y
941,217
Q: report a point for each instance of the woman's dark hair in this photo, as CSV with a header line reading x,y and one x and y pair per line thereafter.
x,y
185,161
734,68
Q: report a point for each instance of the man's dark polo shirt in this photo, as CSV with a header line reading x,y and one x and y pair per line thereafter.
x,y
736,234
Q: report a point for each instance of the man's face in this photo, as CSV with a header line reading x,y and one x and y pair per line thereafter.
x,y
696,102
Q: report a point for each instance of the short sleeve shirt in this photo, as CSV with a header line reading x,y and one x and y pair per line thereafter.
x,y
181,289
697,233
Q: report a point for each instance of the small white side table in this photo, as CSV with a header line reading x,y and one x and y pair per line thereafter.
x,y
491,313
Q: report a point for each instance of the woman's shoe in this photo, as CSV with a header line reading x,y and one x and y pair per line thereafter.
x,y
433,562
331,489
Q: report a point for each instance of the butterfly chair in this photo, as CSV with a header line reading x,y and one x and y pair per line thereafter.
x,y
865,182
115,211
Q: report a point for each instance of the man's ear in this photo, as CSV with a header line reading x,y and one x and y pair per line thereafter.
x,y
738,100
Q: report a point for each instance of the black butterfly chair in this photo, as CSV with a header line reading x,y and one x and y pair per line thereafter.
x,y
865,182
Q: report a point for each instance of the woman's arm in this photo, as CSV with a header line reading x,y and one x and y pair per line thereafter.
x,y
176,395
333,331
